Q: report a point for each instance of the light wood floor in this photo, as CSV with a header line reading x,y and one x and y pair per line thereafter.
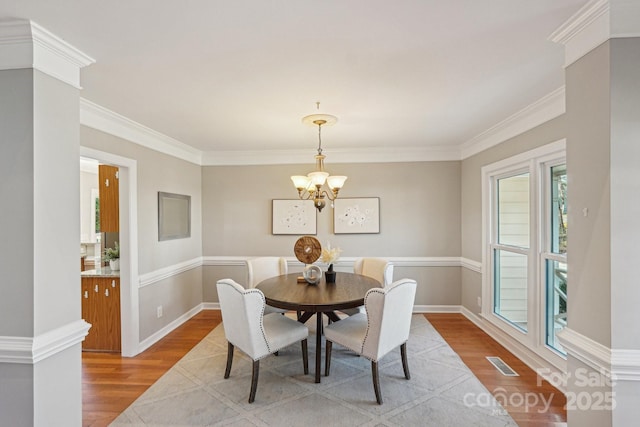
x,y
110,383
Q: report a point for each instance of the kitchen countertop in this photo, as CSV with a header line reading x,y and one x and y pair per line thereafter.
x,y
100,272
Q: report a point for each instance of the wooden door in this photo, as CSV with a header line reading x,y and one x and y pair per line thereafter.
x,y
110,314
88,300
109,198
101,308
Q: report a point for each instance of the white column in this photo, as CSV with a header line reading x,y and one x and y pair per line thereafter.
x,y
40,318
602,45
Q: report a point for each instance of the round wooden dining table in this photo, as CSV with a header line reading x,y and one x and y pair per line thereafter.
x,y
287,292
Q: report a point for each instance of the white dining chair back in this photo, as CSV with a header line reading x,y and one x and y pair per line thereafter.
x,y
377,268
242,317
261,268
256,334
384,326
388,314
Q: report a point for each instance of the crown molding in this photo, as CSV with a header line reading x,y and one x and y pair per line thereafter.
x,y
588,28
595,23
340,155
25,44
546,108
97,117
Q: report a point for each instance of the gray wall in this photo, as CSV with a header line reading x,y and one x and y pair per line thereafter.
x,y
419,217
16,162
588,158
625,188
419,209
471,193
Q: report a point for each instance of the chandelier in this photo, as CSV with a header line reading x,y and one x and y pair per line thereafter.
x,y
310,186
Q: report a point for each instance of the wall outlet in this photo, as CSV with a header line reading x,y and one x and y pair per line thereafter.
x,y
479,301
159,311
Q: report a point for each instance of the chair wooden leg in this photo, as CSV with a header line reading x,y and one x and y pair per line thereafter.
x,y
376,381
227,371
254,380
305,356
327,358
405,364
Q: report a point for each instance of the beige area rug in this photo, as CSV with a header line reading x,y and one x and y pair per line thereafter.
x,y
442,391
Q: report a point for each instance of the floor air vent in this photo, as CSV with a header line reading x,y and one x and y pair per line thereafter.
x,y
502,367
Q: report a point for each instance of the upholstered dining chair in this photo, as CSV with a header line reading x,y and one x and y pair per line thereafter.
x,y
384,326
377,268
254,333
261,268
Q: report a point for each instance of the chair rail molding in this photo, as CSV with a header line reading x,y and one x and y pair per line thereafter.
x,y
155,276
31,350
618,364
169,271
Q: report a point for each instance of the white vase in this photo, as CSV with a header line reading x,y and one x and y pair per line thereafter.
x,y
114,264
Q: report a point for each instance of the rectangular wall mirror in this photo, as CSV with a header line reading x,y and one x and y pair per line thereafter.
x,y
174,216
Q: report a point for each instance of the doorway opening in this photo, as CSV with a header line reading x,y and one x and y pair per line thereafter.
x,y
128,245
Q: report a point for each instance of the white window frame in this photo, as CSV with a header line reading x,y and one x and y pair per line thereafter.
x,y
535,162
545,244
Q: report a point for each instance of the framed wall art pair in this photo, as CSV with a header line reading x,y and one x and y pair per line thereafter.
x,y
350,216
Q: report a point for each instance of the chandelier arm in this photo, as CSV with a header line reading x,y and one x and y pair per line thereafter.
x,y
310,194
324,193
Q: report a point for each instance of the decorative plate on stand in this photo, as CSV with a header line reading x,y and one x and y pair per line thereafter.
x,y
307,250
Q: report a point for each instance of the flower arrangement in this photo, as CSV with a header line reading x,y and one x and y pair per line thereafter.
x,y
330,255
112,253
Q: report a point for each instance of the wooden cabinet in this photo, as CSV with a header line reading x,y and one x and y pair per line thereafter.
x,y
101,308
109,198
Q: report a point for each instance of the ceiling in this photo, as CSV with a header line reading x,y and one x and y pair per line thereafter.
x,y
240,75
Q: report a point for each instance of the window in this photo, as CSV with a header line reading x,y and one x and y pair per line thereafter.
x,y
525,240
511,251
555,255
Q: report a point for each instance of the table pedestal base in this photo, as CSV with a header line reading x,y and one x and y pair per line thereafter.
x,y
303,319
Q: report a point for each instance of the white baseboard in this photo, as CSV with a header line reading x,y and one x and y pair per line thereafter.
x,y
211,306
148,342
436,308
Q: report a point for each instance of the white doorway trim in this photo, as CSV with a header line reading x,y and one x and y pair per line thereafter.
x,y
129,307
